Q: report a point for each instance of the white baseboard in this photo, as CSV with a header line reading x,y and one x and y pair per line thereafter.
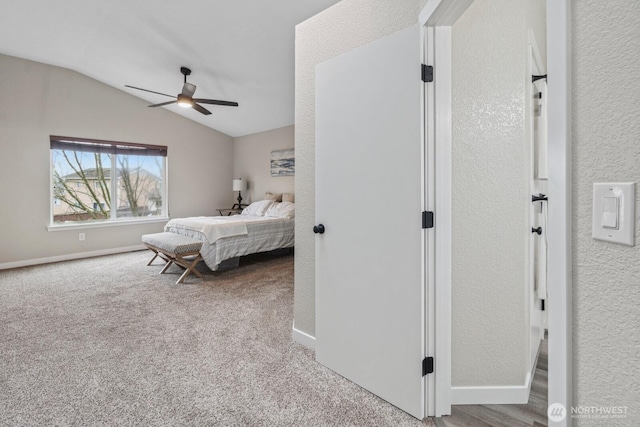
x,y
67,257
498,395
303,338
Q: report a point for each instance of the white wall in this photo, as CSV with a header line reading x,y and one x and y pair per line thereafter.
x,y
41,100
252,162
347,25
490,195
606,148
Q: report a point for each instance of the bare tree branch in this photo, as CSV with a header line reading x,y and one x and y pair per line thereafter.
x,y
88,190
75,202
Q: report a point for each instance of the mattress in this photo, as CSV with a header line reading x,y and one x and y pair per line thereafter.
x,y
236,235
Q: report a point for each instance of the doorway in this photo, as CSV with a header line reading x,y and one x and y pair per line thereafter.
x,y
559,187
438,17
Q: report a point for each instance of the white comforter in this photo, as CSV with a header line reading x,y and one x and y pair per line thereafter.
x,y
212,227
228,237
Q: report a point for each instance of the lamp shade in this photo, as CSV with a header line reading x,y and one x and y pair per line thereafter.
x,y
239,185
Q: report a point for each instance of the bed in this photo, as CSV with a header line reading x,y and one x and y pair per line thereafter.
x,y
263,226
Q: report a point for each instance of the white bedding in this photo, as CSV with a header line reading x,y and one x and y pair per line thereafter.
x,y
228,237
212,227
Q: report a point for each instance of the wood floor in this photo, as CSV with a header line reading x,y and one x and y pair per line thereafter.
x,y
532,414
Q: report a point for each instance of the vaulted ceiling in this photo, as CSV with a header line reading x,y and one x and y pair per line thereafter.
x,y
238,50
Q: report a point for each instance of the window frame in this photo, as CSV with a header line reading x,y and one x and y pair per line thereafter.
x,y
113,149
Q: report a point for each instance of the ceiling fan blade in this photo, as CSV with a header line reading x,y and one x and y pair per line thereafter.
x,y
162,103
188,89
216,102
147,90
200,109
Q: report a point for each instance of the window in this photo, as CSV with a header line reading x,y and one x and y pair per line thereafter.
x,y
106,181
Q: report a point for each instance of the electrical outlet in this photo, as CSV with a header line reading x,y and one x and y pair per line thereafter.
x,y
81,236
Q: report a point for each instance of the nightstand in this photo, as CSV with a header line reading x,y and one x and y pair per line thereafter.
x,y
229,212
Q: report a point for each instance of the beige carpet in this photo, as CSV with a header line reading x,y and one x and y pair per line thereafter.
x,y
107,341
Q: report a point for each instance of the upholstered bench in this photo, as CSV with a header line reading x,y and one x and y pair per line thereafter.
x,y
174,248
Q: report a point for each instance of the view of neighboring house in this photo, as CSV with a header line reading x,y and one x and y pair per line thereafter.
x,y
86,195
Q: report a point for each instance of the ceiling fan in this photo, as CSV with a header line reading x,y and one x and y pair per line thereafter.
x,y
186,99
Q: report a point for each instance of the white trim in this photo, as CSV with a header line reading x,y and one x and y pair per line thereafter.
x,y
429,193
443,13
67,257
443,169
51,198
497,395
303,338
427,281
438,16
102,224
559,272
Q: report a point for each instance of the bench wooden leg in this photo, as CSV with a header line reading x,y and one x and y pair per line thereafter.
x,y
189,267
156,255
166,266
171,258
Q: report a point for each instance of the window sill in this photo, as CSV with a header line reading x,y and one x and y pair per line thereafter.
x,y
104,224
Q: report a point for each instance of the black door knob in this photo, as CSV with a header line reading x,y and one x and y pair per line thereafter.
x,y
537,230
318,229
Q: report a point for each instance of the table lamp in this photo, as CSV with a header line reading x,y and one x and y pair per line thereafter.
x,y
239,185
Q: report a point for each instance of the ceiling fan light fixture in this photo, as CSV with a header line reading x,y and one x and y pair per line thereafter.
x,y
185,101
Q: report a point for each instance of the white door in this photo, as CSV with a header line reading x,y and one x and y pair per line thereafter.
x,y
370,304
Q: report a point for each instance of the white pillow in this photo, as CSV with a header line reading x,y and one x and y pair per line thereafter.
x,y
257,208
281,210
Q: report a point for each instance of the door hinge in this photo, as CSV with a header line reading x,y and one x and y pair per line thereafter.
x,y
427,366
427,219
427,73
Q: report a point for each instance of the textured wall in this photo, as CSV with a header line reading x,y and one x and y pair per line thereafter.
x,y
490,192
48,100
347,25
606,147
252,162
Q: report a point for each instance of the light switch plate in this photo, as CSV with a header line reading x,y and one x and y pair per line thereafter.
x,y
614,217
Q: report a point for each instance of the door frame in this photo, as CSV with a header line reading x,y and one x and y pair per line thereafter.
x,y
559,273
436,19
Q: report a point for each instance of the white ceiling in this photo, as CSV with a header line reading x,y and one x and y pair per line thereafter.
x,y
238,50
